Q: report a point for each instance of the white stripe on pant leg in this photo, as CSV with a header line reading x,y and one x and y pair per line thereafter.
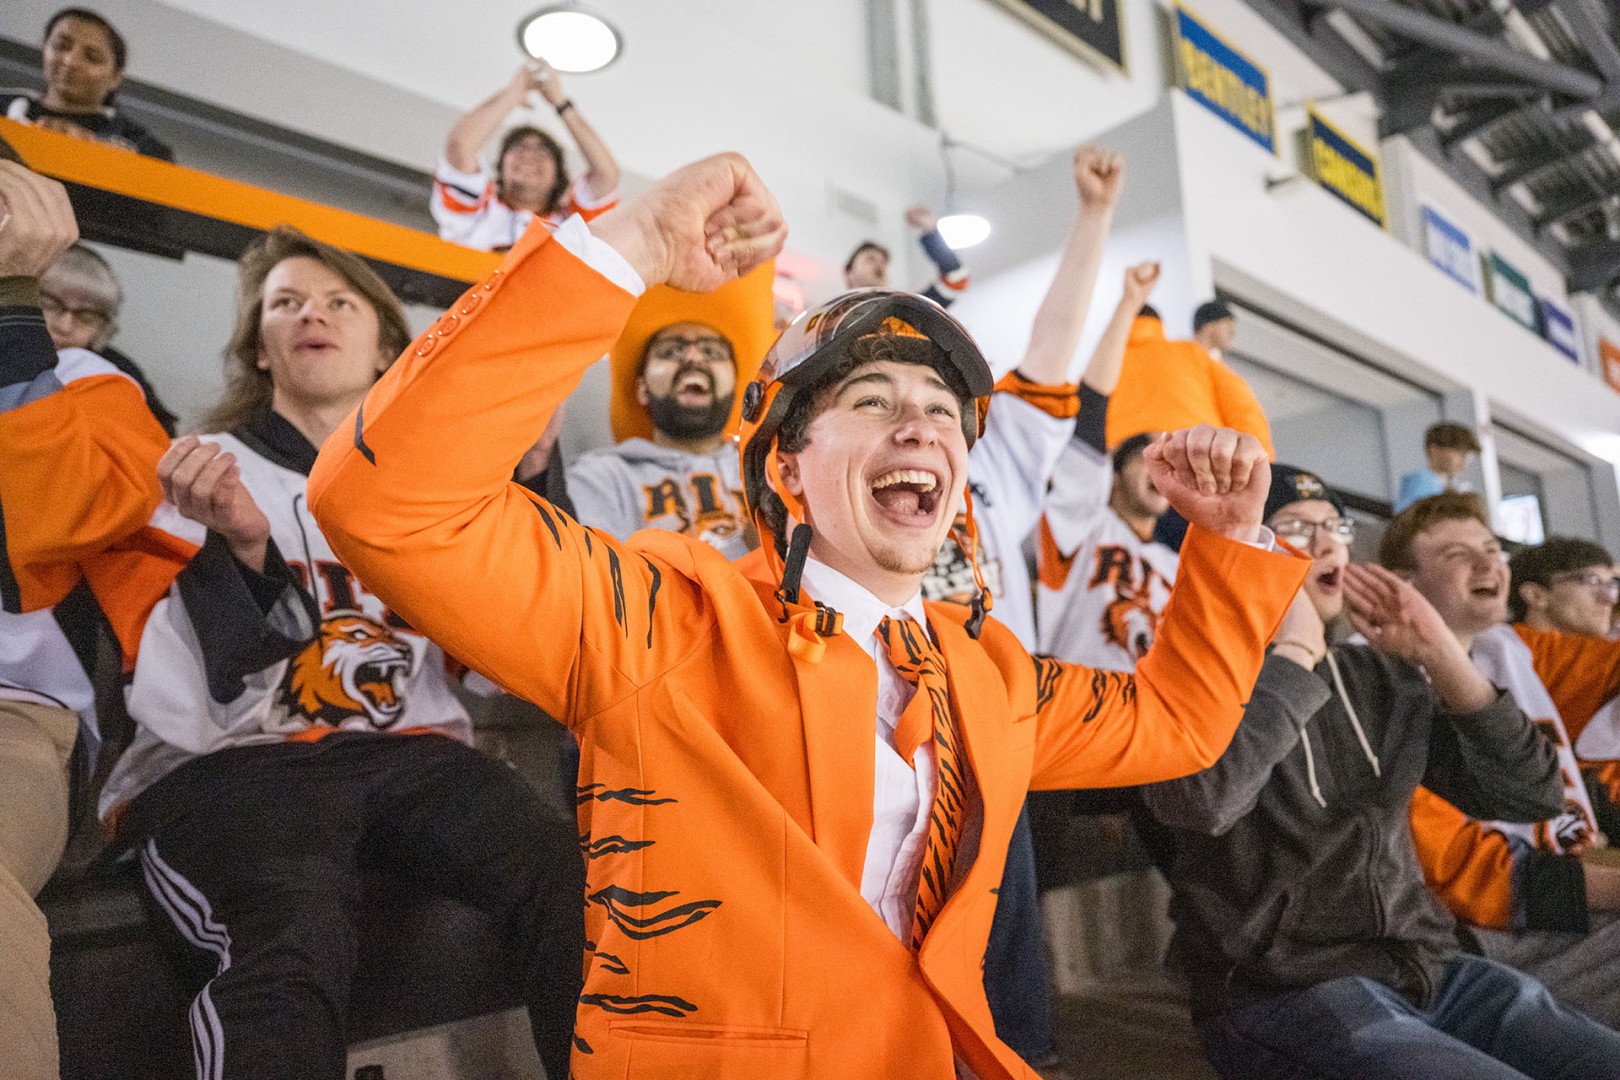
x,y
186,905
193,916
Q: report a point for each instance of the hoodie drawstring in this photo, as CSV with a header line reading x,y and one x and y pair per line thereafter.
x,y
1310,768
1355,721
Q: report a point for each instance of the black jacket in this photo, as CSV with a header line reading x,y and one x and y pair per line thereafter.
x,y
1291,859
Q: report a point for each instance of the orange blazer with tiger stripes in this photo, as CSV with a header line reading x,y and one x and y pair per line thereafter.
x,y
725,789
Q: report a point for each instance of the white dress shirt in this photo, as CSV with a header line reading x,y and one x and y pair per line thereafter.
x,y
902,796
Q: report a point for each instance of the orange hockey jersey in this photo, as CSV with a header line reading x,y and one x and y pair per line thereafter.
x,y
1506,877
727,751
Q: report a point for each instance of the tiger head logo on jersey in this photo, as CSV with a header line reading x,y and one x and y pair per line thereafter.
x,y
355,669
1129,621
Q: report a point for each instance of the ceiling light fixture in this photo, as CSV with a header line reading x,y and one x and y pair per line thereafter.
x,y
957,228
570,38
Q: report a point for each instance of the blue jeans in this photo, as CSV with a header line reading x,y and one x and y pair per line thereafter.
x,y
1015,974
1486,1022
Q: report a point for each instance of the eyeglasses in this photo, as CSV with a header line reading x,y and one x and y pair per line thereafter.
x,y
1301,533
1595,580
85,318
669,350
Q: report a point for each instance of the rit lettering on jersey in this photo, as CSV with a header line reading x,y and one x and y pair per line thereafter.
x,y
355,673
702,506
1130,618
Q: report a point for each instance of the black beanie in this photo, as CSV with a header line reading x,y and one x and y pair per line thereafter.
x,y
1291,485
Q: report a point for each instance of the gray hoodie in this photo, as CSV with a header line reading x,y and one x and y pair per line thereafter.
x,y
638,484
1291,859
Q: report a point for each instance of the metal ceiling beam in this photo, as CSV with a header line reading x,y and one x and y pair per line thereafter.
x,y
1594,266
1418,26
1527,167
1593,36
1588,199
1475,122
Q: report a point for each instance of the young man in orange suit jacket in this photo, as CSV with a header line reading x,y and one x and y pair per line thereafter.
x,y
756,803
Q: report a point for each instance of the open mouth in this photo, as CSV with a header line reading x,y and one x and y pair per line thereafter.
x,y
693,385
908,493
1486,592
1328,581
379,681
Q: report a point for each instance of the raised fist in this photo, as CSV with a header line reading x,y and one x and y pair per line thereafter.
x,y
36,221
1216,478
699,227
922,219
1139,282
1098,175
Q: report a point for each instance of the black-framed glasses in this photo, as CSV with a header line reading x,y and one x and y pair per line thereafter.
x,y
1595,580
85,318
713,350
1300,533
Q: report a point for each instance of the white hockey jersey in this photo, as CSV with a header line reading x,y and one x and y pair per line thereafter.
x,y
1506,661
1102,588
232,659
1008,470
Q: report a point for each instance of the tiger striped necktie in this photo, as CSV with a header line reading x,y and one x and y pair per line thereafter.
x,y
929,716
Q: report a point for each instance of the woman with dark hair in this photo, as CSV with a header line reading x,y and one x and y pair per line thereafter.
x,y
490,209
83,64
295,734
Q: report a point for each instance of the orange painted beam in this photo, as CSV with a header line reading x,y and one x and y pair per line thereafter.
x,y
122,172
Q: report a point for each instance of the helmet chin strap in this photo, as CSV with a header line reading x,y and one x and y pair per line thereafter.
x,y
967,538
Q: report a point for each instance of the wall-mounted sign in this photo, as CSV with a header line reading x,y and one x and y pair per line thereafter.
x,y
1609,356
1558,327
1448,248
1343,168
1509,290
1093,28
1225,81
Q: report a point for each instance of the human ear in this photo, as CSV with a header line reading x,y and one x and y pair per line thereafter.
x,y
787,467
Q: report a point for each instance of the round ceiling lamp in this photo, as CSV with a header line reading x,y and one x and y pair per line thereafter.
x,y
963,230
569,38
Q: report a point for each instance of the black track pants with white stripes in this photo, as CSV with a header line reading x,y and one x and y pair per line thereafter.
x,y
256,854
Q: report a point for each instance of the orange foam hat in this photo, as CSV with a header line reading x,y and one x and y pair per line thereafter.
x,y
742,311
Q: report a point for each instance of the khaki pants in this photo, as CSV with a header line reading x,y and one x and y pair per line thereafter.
x,y
36,742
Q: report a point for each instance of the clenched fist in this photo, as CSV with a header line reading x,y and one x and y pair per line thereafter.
x,y
699,227
1216,478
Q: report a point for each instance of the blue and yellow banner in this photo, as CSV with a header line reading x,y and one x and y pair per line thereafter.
x,y
1344,169
1224,81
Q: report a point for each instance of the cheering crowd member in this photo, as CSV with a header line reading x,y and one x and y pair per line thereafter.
x,y
1027,423
676,369
1103,580
80,501
1165,385
1539,896
1302,921
1566,585
768,760
868,265
83,58
489,209
270,682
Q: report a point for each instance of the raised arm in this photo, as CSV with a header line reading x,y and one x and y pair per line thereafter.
x,y
414,492
601,168
473,129
1099,176
1177,714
